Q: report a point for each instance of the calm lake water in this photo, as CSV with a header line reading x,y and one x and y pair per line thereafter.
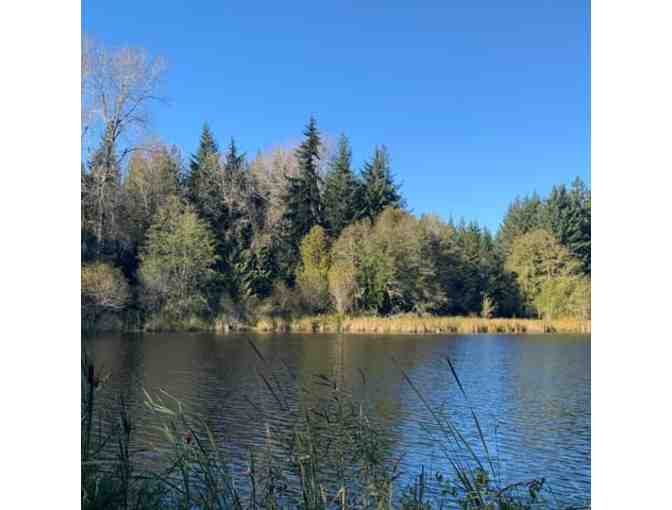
x,y
531,393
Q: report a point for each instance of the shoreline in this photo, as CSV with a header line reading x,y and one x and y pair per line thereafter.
x,y
407,324
411,324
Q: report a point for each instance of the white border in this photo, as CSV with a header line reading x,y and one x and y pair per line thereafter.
x,y
39,253
632,193
39,259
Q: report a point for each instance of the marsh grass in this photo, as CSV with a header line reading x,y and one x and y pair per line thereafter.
x,y
414,324
332,456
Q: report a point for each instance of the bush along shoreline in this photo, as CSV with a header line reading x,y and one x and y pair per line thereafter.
x,y
331,456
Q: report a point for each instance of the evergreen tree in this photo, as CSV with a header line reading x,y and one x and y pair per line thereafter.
x,y
556,214
472,277
234,162
341,190
523,216
566,214
578,236
303,203
206,147
380,190
201,181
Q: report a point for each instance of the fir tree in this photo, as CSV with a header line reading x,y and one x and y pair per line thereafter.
x,y
566,214
380,190
303,203
578,236
341,190
203,167
523,216
234,162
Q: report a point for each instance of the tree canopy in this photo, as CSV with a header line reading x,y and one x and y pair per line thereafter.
x,y
164,237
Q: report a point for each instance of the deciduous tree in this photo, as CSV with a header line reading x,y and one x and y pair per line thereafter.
x,y
177,261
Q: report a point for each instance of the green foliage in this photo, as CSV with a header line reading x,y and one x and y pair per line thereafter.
x,y
234,162
441,247
564,213
380,190
538,258
403,276
345,276
177,261
384,268
522,217
203,181
342,190
303,202
564,297
382,260
312,274
579,233
152,178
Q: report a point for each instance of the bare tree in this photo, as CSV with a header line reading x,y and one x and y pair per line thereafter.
x,y
118,87
270,170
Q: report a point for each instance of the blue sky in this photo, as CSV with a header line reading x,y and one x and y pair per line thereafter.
x,y
478,101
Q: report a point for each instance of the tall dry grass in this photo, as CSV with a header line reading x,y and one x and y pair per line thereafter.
x,y
414,324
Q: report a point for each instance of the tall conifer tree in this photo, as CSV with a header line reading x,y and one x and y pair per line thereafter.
x,y
234,161
203,168
380,190
303,203
342,191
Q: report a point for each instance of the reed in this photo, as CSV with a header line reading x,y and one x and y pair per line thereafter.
x,y
333,456
420,325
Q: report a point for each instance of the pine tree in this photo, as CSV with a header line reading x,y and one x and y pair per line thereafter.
x,y
523,216
471,247
203,167
207,147
341,190
380,190
234,162
578,236
556,213
303,203
566,214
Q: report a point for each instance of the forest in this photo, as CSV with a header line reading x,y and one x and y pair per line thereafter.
x,y
219,237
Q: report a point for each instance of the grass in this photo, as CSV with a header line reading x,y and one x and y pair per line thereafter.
x,y
414,324
333,455
333,323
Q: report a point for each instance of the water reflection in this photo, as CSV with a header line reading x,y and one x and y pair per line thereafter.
x,y
532,394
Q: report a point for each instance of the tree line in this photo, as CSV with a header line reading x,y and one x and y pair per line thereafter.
x,y
295,230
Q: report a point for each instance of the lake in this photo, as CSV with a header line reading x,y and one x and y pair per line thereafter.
x,y
531,393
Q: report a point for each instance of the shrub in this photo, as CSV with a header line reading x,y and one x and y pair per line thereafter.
x,y
487,307
104,289
564,297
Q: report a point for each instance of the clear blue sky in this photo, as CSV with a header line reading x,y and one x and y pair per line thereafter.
x,y
478,101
